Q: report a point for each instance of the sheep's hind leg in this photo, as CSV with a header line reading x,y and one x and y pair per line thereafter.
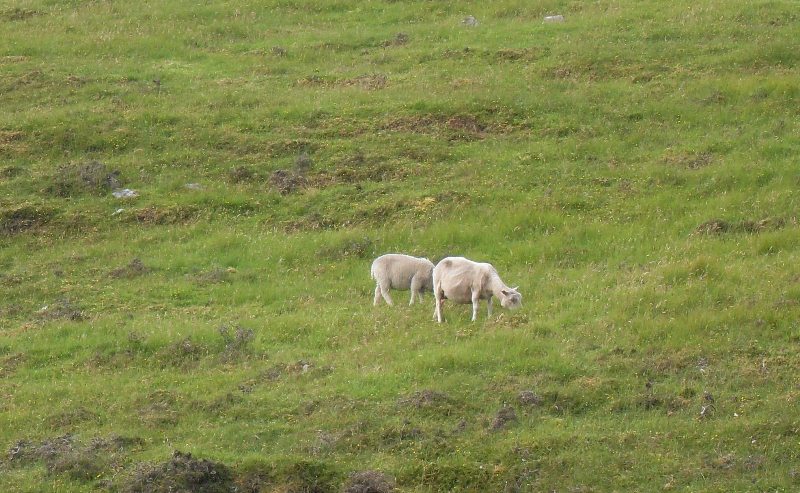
x,y
377,295
439,301
415,291
385,292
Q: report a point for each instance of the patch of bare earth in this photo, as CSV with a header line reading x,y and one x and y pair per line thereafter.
x,y
67,455
91,177
368,82
181,473
503,417
369,482
720,226
62,309
10,363
399,39
454,127
425,399
286,181
11,141
24,218
134,268
690,160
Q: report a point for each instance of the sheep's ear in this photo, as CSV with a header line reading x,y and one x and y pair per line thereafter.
x,y
505,292
515,289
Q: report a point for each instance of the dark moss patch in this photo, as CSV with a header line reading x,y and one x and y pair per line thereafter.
x,y
359,167
254,478
287,181
311,222
290,147
8,172
303,163
134,268
529,398
503,417
9,364
454,127
66,455
71,417
238,342
690,160
369,82
92,177
25,451
399,39
300,368
24,218
448,476
720,226
425,398
64,309
81,465
311,477
19,14
156,215
159,408
430,402
350,248
242,174
395,435
181,473
182,353
515,54
215,275
369,482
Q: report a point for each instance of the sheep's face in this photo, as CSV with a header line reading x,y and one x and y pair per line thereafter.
x,y
511,299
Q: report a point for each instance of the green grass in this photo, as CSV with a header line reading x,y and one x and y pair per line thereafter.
x,y
634,170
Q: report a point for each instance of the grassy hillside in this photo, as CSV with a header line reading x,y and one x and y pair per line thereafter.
x,y
633,169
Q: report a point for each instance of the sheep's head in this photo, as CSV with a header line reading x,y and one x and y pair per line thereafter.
x,y
511,298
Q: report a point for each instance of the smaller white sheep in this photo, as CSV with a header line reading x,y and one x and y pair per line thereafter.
x,y
398,271
464,281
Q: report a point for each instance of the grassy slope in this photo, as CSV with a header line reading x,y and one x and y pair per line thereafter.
x,y
579,158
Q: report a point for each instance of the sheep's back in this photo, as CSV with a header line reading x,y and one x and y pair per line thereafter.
x,y
399,269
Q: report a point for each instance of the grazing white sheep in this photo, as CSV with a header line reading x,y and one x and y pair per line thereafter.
x,y
398,271
464,281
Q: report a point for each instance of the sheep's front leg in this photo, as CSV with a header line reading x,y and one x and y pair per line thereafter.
x,y
490,306
439,299
476,300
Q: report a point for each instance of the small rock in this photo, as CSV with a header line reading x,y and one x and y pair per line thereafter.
x,y
554,18
470,21
125,193
118,212
194,186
